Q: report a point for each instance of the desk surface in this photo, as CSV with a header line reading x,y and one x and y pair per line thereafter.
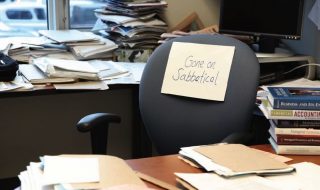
x,y
163,167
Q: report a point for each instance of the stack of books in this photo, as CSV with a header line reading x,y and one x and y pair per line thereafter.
x,y
132,24
294,115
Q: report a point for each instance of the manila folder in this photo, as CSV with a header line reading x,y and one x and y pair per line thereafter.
x,y
240,158
113,171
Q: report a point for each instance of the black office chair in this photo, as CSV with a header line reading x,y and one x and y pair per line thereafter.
x,y
175,121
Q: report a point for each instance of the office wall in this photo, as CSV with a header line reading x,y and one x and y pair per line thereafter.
x,y
207,10
310,41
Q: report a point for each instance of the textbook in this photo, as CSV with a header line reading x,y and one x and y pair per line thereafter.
x,y
294,149
297,123
297,98
293,131
296,139
282,114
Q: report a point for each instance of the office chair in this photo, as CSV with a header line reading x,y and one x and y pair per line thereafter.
x,y
175,121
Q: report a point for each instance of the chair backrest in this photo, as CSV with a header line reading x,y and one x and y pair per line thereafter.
x,y
175,121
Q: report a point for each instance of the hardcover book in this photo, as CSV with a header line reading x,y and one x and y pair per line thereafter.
x,y
293,131
285,114
290,139
315,124
294,98
294,149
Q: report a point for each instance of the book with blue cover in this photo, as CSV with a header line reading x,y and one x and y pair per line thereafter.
x,y
297,98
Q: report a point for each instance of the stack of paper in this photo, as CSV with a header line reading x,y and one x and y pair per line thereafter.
x,y
132,24
58,170
306,177
74,172
36,76
23,48
83,45
89,70
233,160
201,181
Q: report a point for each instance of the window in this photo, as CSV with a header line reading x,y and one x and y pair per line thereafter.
x,y
82,13
22,17
18,14
40,13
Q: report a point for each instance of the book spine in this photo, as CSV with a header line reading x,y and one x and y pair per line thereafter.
x,y
295,131
295,114
294,149
298,150
298,124
298,140
296,104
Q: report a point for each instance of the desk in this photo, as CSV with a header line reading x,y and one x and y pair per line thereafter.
x,y
163,167
42,122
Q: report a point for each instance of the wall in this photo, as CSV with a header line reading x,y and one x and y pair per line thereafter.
x,y
207,10
309,43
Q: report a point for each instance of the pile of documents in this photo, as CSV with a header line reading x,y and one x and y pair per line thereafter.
x,y
305,178
73,74
89,70
75,172
235,159
83,45
235,166
133,24
23,48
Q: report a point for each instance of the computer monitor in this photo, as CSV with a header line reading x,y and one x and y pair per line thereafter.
x,y
267,21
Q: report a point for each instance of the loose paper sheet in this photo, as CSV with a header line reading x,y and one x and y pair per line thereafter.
x,y
198,70
202,181
70,170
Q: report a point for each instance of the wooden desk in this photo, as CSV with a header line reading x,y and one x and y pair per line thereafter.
x,y
163,167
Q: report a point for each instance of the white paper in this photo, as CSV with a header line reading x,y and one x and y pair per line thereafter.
x,y
66,35
58,169
70,65
198,70
202,181
136,69
85,85
306,177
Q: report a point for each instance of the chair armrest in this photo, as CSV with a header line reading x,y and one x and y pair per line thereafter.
x,y
97,119
98,125
239,138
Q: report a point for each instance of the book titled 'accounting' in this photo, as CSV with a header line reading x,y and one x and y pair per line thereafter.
x,y
294,98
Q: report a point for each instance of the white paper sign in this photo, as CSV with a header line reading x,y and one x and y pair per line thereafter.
x,y
198,70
